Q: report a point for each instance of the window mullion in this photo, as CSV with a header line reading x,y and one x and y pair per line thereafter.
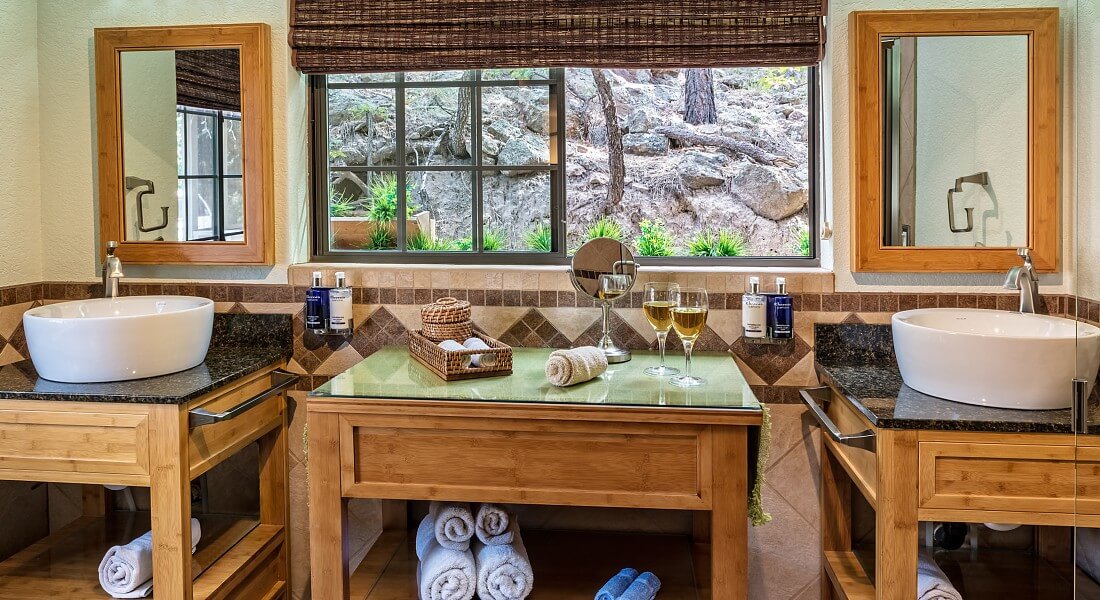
x,y
402,171
477,235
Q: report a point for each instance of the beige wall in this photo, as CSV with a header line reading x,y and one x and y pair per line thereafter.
x,y
1088,149
20,216
69,209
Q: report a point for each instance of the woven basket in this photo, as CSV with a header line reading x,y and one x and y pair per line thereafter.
x,y
459,332
452,365
446,310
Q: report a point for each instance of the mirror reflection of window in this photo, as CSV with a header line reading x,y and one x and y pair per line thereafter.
x,y
182,131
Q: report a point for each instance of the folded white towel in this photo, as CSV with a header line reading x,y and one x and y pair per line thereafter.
x,y
454,524
570,367
127,571
504,570
932,583
1088,551
443,574
494,525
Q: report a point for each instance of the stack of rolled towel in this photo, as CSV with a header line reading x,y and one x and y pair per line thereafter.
x,y
629,585
932,583
127,571
454,565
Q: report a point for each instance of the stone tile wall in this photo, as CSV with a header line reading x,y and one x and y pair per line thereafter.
x,y
542,309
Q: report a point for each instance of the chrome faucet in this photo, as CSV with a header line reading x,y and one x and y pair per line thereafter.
x,y
1024,279
112,271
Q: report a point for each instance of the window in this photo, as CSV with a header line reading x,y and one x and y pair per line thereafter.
x,y
518,165
209,162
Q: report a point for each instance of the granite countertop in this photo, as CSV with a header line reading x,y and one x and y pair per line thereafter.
x,y
241,345
859,362
392,373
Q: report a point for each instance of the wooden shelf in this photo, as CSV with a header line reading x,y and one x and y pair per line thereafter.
x,y
848,577
567,565
64,565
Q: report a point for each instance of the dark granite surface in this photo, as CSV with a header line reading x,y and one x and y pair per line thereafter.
x,y
858,361
241,344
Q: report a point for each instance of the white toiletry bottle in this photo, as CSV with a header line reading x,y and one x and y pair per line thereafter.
x,y
340,306
754,311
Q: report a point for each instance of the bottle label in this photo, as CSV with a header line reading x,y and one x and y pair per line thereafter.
x,y
340,309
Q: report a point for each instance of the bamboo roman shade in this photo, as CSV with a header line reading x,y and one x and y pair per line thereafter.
x,y
209,78
343,36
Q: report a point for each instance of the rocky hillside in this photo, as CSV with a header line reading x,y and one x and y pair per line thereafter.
x,y
746,172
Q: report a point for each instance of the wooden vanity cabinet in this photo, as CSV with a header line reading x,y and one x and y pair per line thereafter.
x,y
909,476
162,447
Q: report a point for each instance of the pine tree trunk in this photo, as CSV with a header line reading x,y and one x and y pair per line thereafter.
x,y
699,97
460,124
617,182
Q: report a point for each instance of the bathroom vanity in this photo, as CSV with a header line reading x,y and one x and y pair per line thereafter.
x,y
389,428
161,433
916,459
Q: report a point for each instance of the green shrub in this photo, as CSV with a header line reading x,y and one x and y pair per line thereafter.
x,y
493,240
539,239
654,239
341,205
803,244
605,227
382,192
380,239
720,243
422,242
464,244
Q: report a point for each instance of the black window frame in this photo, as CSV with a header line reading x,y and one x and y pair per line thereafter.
x,y
319,182
218,177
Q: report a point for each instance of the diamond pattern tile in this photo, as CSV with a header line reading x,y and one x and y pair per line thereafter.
x,y
534,330
382,328
621,333
771,361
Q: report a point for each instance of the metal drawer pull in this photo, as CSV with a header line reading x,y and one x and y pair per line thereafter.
x,y
197,417
864,439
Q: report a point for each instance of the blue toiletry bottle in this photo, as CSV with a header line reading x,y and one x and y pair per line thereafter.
x,y
780,312
317,305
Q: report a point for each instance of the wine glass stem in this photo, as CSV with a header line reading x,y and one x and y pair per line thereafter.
x,y
661,336
688,345
606,324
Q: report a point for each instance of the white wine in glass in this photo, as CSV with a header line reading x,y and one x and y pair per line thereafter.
x,y
689,319
657,305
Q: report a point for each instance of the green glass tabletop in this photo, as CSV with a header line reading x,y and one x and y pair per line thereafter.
x,y
392,373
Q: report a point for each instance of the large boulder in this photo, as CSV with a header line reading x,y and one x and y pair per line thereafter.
x,y
700,170
645,144
769,191
522,152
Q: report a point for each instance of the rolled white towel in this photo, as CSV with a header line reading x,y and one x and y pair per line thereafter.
x,y
1088,551
570,367
932,583
443,574
453,523
480,360
127,571
504,570
494,525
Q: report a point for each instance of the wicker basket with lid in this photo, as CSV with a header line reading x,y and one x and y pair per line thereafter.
x,y
446,310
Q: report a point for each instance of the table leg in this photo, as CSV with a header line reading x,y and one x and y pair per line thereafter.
x,y
729,519
273,488
170,501
329,554
896,534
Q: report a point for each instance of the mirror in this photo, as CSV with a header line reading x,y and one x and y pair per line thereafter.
x,y
604,269
955,147
181,142
956,132
184,116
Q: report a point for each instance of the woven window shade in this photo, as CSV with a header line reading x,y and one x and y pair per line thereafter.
x,y
344,36
209,79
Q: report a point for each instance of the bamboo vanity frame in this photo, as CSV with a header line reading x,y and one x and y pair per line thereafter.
x,y
254,43
865,30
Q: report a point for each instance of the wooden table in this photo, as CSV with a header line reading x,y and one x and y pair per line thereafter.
x,y
389,429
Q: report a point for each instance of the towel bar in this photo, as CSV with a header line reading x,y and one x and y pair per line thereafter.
x,y
197,417
864,439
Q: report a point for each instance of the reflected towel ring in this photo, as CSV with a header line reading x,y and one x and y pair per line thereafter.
x,y
981,179
133,183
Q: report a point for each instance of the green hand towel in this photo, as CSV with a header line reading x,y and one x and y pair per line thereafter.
x,y
762,437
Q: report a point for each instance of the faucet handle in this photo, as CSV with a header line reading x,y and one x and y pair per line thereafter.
x,y
111,247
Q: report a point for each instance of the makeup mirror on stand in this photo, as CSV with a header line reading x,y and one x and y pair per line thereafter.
x,y
604,269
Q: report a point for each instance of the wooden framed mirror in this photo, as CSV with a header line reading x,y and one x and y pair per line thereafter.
x,y
185,148
955,124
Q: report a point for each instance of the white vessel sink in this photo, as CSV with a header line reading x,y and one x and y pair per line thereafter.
x,y
994,357
115,339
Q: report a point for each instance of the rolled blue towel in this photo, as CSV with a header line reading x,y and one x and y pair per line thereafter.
x,y
617,584
645,587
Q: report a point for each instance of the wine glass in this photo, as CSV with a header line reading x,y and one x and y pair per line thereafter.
x,y
612,287
689,318
657,305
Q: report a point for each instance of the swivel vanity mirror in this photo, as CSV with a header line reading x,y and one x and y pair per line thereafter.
x,y
185,166
954,139
604,269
